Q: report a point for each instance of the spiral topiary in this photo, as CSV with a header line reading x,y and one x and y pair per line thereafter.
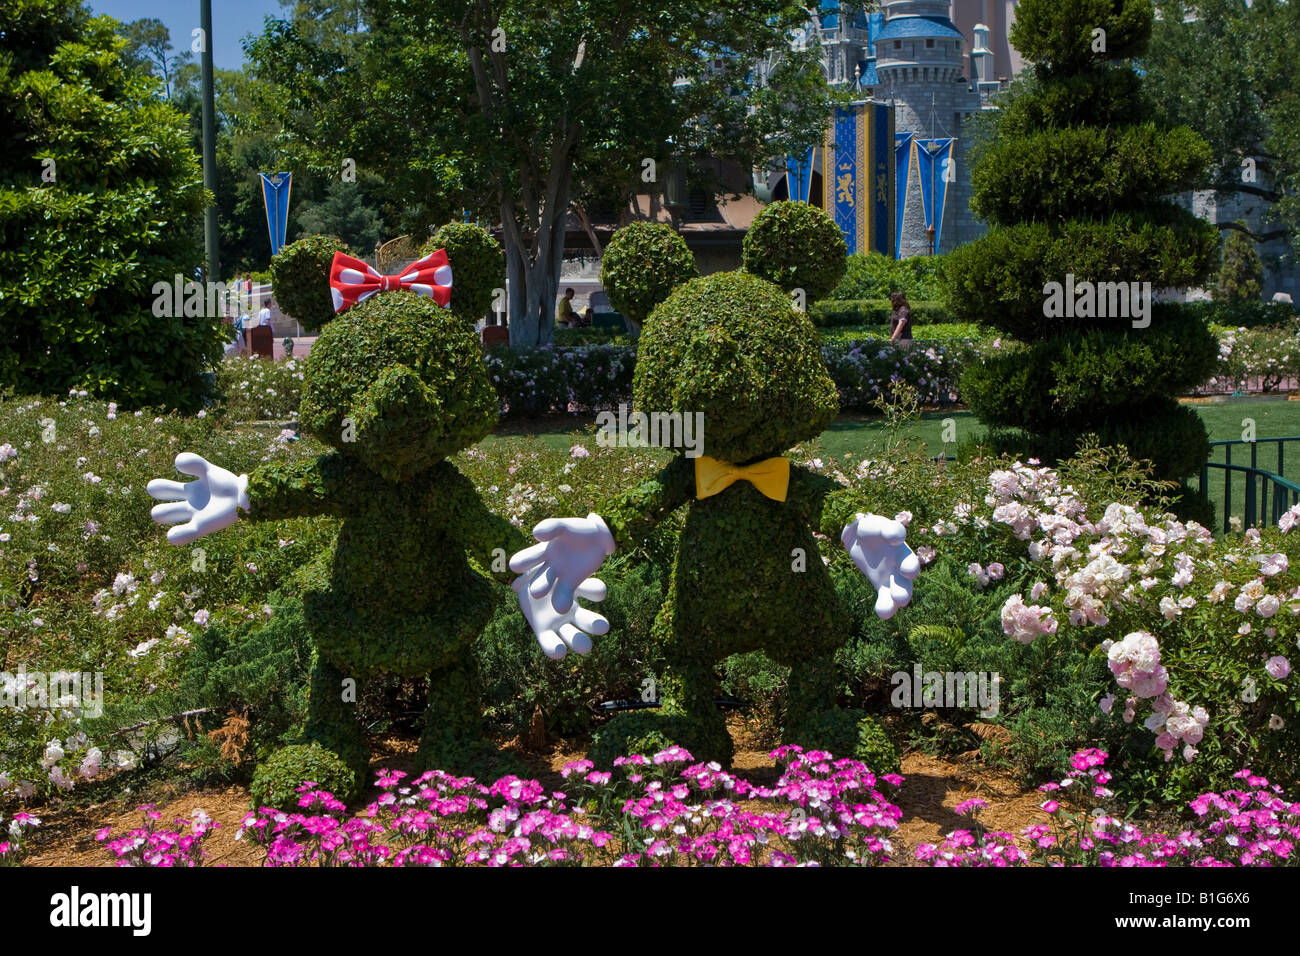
x,y
1071,187
300,278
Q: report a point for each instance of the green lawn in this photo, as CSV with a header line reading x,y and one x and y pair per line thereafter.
x,y
860,436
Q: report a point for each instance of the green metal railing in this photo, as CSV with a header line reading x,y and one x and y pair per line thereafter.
x,y
1265,495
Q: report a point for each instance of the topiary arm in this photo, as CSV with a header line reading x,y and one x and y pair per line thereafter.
x,y
482,531
633,515
822,502
297,489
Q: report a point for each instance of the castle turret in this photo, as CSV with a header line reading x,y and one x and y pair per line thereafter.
x,y
920,66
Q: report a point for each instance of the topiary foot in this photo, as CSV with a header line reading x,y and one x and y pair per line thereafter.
x,y
647,733
846,733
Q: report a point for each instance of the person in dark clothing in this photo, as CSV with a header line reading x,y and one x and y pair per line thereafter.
x,y
900,322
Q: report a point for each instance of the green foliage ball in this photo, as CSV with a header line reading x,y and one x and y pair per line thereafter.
x,y
276,782
642,264
796,246
478,267
733,347
300,278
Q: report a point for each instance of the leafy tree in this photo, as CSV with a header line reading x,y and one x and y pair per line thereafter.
x,y
1071,187
1230,69
149,45
511,109
1241,273
100,197
340,214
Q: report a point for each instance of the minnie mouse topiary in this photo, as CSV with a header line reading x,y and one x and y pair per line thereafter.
x,y
394,386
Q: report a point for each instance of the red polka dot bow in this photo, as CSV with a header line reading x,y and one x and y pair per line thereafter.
x,y
353,281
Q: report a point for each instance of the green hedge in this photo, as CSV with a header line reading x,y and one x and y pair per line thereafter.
x,y
1249,314
872,275
836,312
1068,380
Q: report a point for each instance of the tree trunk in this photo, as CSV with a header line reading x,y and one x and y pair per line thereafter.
x,y
533,269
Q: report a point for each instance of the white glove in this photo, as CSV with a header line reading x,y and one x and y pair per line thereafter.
x,y
571,550
560,633
878,546
203,506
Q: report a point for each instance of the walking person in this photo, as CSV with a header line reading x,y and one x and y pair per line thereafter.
x,y
900,321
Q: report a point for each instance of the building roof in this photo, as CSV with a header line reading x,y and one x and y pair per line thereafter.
x,y
869,75
906,27
830,16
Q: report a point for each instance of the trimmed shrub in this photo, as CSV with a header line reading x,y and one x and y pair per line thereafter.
x,y
1084,171
832,313
795,246
276,782
300,278
1076,207
478,267
1058,37
999,279
872,275
642,264
1067,381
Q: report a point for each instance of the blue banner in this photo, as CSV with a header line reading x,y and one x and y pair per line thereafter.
x,y
841,180
275,197
934,157
946,170
798,176
903,150
880,142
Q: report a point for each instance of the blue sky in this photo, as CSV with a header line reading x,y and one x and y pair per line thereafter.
x,y
231,20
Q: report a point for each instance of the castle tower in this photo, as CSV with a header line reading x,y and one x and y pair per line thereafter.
x,y
920,64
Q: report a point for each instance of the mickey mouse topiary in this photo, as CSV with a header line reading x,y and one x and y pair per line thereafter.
x,y
300,274
747,574
394,386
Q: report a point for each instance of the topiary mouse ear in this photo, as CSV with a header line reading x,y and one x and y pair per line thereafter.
x,y
642,264
477,263
796,246
300,279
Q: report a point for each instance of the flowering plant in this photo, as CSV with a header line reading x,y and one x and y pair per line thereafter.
x,y
663,810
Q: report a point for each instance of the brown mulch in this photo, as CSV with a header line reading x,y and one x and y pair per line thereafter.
x,y
933,786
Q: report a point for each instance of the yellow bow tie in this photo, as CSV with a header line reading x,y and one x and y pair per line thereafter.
x,y
771,476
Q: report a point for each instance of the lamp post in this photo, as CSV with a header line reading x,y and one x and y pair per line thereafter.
x,y
211,239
